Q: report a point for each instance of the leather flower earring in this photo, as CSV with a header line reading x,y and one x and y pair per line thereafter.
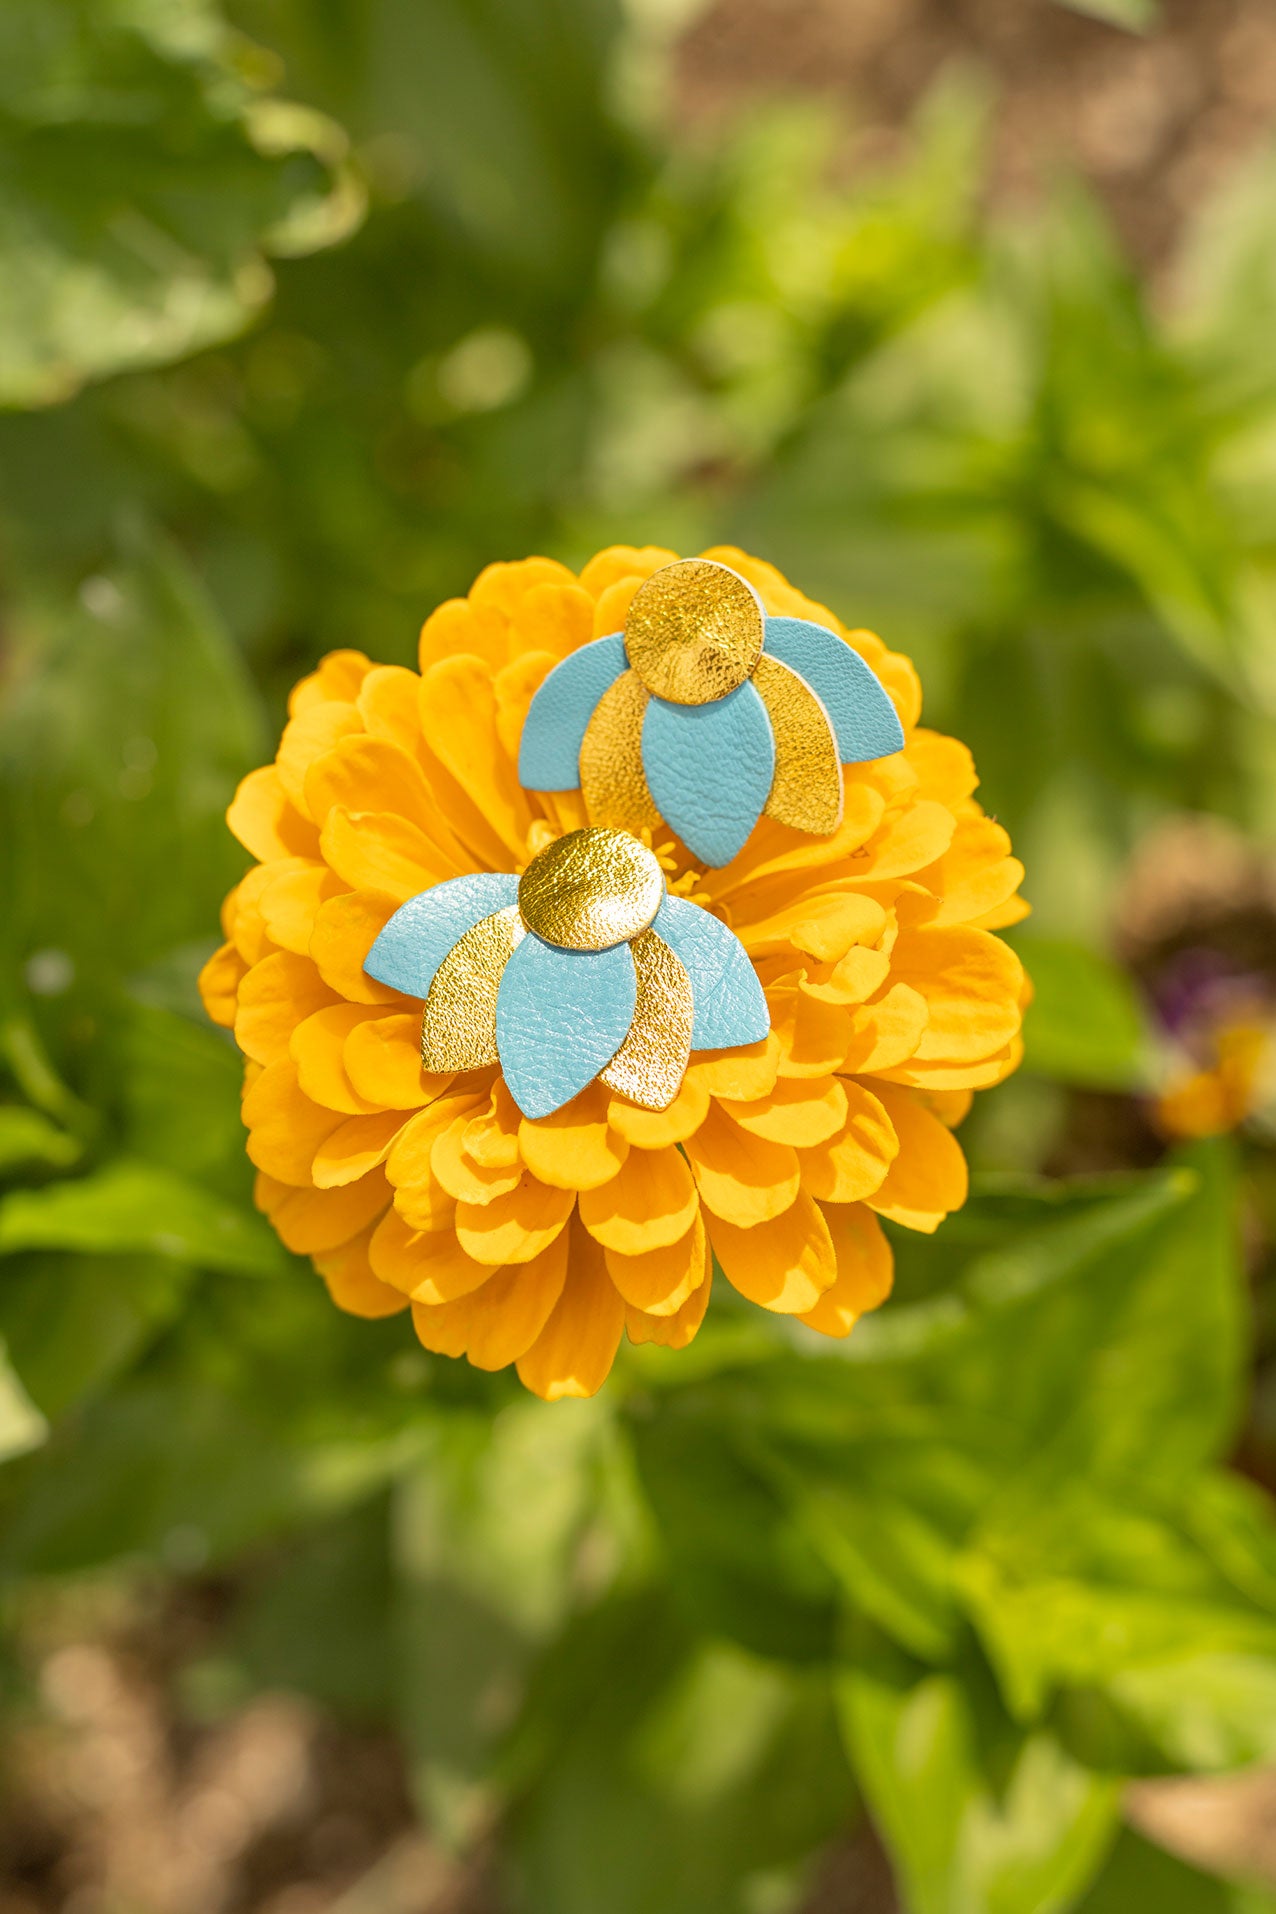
x,y
704,713
583,968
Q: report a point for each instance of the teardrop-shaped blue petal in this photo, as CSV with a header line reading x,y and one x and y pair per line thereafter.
x,y
864,720
554,729
561,1016
730,1007
422,932
709,768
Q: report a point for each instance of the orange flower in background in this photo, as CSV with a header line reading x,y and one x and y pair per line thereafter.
x,y
542,1243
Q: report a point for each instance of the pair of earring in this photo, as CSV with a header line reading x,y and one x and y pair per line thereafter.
x,y
700,717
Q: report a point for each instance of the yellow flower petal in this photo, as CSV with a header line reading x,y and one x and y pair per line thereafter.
x,y
975,875
273,998
656,1129
660,1280
219,983
553,617
574,1352
784,1264
461,625
741,1177
908,841
498,1323
337,680
317,1047
306,737
382,1057
928,1178
285,1127
356,1146
678,1330
971,983
363,774
514,1227
651,1201
865,1270
461,1177
813,1036
312,1221
377,851
458,717
428,1265
854,1162
388,703
944,767
291,895
419,1197
799,1111
265,822
346,928
352,1284
618,564
575,1148
886,1033
825,926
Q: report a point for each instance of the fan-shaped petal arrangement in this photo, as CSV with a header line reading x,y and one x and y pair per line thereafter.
x,y
584,969
705,713
542,1241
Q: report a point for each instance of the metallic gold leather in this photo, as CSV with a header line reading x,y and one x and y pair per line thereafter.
x,y
612,780
458,1025
806,791
590,890
650,1064
694,631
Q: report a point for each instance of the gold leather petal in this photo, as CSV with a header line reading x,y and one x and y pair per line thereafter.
x,y
650,1064
806,791
612,780
458,1026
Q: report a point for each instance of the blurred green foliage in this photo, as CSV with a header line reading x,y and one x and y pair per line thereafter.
x,y
974,1568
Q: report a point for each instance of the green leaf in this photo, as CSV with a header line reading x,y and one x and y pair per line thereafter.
x,y
28,1140
75,1322
487,1537
130,1206
674,1774
1084,1025
1138,16
144,185
977,1816
22,1427
1140,1876
130,721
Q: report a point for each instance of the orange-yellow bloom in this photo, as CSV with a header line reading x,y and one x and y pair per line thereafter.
x,y
542,1243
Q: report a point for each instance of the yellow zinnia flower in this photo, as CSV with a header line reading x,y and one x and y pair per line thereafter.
x,y
542,1242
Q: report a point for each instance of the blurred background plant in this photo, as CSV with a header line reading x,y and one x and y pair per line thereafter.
x,y
961,314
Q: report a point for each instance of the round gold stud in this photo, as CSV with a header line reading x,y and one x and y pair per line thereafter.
x,y
694,631
590,890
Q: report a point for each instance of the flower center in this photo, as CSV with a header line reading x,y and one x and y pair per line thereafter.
x,y
694,631
590,890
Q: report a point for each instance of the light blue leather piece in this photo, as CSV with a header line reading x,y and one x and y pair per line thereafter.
x,y
561,1016
422,932
863,717
730,1007
709,768
549,751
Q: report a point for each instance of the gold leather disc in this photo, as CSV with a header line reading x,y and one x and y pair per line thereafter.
x,y
591,889
694,631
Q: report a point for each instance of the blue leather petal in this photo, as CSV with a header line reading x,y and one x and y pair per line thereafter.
x,y
549,753
864,719
709,768
729,1005
561,1016
422,932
